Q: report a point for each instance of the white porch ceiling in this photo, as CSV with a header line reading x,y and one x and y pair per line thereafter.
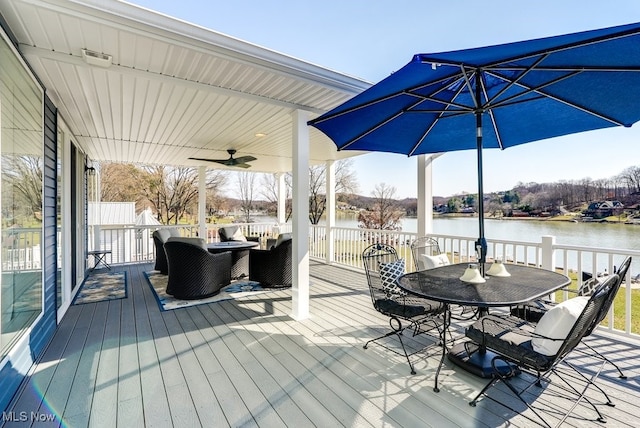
x,y
174,90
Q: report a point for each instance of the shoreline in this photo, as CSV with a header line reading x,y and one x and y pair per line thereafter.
x,y
563,218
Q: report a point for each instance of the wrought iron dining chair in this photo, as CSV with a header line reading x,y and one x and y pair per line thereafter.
x,y
427,255
533,311
383,267
538,349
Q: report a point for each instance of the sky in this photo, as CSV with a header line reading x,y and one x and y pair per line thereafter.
x,y
370,39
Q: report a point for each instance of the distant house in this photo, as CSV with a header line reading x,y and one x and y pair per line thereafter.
x,y
603,209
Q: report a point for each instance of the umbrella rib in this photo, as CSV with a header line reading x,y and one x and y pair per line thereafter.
x,y
415,147
585,68
441,114
513,82
568,46
370,130
376,127
539,90
491,115
528,89
548,51
446,103
355,108
405,91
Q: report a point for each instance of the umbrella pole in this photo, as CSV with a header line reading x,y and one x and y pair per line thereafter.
x,y
481,243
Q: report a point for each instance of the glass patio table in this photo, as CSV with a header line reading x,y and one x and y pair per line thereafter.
x,y
443,284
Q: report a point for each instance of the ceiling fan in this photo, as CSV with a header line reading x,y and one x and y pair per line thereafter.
x,y
240,162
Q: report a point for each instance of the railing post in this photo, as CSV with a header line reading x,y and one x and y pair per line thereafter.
x,y
548,252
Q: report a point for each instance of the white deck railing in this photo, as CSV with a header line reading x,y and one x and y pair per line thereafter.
x,y
130,244
572,260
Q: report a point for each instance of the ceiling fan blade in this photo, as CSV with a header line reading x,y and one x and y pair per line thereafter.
x,y
210,160
245,159
228,162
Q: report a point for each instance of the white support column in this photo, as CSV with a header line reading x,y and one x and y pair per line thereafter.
x,y
300,218
330,179
202,203
425,194
282,198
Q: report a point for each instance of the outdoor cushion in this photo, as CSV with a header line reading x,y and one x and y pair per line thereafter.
x,y
282,238
231,233
430,262
556,323
389,272
166,233
160,236
588,287
193,241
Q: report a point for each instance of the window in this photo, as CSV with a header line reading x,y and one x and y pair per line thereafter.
x,y
21,219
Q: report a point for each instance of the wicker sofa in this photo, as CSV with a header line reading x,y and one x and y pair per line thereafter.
x,y
194,272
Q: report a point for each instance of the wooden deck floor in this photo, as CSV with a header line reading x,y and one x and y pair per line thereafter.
x,y
247,363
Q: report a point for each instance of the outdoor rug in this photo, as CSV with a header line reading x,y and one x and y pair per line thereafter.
x,y
102,286
235,290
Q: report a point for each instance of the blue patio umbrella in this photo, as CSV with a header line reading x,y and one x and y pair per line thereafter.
x,y
496,97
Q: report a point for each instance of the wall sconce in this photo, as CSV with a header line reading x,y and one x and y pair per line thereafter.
x,y
89,170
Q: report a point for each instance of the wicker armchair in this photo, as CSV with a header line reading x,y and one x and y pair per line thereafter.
x,y
272,267
160,236
194,273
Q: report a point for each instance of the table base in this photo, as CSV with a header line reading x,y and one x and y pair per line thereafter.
x,y
468,356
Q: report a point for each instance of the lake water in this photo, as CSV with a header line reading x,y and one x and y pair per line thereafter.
x,y
603,235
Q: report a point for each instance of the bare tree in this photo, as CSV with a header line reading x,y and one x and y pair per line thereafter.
x,y
216,179
24,175
246,189
120,182
270,192
173,192
346,183
631,177
384,214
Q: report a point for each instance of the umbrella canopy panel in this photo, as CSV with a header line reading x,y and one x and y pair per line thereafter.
x,y
528,91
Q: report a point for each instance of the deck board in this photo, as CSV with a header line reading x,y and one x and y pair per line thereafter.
x,y
248,363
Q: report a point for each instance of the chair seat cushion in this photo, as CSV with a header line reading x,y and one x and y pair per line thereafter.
x,y
509,336
394,307
556,324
